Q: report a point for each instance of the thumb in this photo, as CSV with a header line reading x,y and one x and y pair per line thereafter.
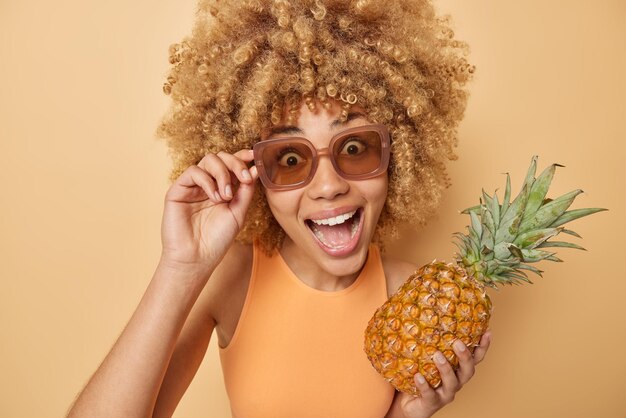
x,y
241,201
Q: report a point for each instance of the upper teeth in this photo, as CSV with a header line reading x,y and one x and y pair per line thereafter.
x,y
336,220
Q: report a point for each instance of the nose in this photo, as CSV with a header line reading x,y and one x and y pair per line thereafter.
x,y
326,183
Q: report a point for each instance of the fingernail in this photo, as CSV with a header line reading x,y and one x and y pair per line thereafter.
x,y
228,190
439,358
420,379
217,196
246,174
459,346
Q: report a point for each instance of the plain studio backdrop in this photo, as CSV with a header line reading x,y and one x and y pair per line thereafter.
x,y
83,180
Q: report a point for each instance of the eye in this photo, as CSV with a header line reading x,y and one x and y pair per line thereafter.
x,y
290,158
353,146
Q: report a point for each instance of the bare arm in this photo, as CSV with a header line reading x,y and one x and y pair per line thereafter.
x,y
127,382
185,361
204,211
217,296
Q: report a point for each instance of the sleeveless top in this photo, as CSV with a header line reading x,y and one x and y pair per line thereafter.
x,y
297,351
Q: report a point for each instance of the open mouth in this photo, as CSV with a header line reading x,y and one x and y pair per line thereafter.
x,y
337,235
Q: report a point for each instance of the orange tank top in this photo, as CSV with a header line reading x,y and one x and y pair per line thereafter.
x,y
297,352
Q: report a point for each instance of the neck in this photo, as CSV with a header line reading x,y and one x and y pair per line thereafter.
x,y
310,272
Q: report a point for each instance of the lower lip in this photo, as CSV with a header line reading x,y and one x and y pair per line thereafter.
x,y
348,248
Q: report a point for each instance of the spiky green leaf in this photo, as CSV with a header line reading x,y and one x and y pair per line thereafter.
x,y
501,250
532,239
494,210
485,214
553,258
515,251
538,191
474,249
507,197
531,268
570,215
518,277
570,232
503,238
532,169
509,224
476,225
472,209
562,244
532,256
550,212
463,238
486,240
461,247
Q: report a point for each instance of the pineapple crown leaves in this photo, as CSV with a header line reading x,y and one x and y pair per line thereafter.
x,y
504,238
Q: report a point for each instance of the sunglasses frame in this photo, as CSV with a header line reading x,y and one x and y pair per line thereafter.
x,y
260,146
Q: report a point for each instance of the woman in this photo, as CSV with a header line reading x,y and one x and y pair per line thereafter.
x,y
346,111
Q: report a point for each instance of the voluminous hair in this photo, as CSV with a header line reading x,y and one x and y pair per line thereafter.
x,y
247,60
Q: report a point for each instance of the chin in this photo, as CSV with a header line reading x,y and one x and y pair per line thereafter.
x,y
348,265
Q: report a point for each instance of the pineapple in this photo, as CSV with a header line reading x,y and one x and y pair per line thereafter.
x,y
442,302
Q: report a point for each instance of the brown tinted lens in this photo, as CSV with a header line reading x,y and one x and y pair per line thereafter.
x,y
358,152
287,162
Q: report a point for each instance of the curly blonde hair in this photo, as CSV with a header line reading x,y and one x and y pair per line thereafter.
x,y
246,60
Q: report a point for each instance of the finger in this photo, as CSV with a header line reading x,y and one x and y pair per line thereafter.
x,y
481,350
216,167
449,381
427,393
236,163
240,203
254,173
466,362
195,178
245,154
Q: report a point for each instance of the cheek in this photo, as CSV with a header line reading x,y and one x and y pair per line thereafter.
x,y
284,205
376,191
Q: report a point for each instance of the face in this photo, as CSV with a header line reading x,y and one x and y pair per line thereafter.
x,y
329,221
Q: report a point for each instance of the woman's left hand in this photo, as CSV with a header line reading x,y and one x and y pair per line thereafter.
x,y
432,400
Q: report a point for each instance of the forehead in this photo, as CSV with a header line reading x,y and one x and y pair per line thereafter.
x,y
321,118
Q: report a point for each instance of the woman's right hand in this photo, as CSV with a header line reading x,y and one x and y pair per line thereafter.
x,y
204,210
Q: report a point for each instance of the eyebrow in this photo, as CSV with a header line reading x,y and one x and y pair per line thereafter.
x,y
289,129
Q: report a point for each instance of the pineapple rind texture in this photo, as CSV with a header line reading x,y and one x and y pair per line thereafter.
x,y
442,302
438,304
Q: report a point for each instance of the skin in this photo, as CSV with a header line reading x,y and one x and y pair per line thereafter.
x,y
202,277
319,270
326,191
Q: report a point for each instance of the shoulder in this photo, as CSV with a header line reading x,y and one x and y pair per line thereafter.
x,y
396,272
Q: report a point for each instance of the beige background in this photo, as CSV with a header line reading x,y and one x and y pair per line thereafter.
x,y
83,178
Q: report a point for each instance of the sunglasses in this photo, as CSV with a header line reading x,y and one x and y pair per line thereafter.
x,y
289,163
